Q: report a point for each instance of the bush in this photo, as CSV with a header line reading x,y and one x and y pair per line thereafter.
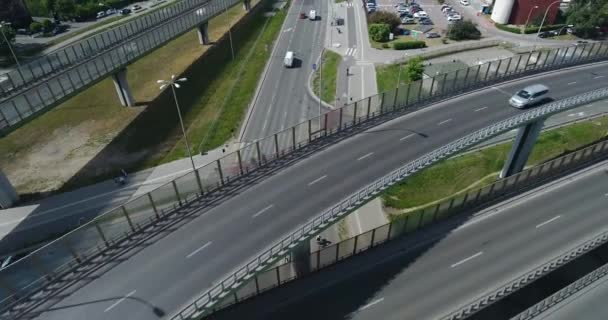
x,y
379,32
544,28
414,69
35,27
463,30
385,45
507,28
409,45
385,17
47,25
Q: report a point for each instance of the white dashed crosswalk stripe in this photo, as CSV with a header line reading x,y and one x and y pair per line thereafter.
x,y
351,52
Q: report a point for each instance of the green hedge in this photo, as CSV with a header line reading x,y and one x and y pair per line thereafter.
x,y
529,30
507,28
409,45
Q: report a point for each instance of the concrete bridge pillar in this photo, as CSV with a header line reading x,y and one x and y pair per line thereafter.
x,y
247,5
300,256
524,142
122,88
8,195
203,33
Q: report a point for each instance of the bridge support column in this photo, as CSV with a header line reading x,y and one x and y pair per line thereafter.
x,y
8,195
247,5
524,142
301,258
122,88
203,33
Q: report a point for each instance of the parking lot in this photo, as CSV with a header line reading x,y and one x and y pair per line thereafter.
x,y
438,20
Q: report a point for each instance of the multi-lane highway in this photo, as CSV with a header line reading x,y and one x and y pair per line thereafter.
x,y
457,263
169,272
283,99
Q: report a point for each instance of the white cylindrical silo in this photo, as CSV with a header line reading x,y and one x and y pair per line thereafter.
x,y
502,11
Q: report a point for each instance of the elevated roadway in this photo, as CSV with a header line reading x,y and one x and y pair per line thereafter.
x,y
430,274
170,271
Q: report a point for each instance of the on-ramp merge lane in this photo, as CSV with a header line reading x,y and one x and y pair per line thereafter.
x,y
165,278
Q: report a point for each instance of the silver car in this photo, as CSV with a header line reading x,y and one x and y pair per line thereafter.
x,y
528,96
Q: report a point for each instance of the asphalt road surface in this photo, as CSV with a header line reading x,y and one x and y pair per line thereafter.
x,y
168,273
467,261
283,100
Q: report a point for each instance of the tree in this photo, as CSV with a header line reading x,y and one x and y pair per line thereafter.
x,y
588,17
10,34
379,32
385,17
65,8
463,30
47,25
414,69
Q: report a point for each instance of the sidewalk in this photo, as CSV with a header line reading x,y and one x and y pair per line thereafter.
x,y
91,201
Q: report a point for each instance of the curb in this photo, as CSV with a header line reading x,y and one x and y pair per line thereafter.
x,y
311,93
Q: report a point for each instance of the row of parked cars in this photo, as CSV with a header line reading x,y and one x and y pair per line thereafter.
x,y
450,14
370,5
411,13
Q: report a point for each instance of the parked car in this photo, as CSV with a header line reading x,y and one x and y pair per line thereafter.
x,y
464,2
421,14
405,15
454,17
408,20
405,32
581,42
543,34
125,11
426,21
433,35
444,6
404,10
414,9
101,14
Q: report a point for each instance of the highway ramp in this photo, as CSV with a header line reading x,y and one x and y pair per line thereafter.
x,y
168,273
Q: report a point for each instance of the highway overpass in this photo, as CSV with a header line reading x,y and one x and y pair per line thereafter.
x,y
202,251
56,76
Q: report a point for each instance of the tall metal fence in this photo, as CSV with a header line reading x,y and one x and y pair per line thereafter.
x,y
44,265
55,76
405,224
563,294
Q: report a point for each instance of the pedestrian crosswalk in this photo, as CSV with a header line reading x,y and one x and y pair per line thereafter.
x,y
351,52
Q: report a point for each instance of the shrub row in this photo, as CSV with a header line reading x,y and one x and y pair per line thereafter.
x,y
507,28
409,45
529,30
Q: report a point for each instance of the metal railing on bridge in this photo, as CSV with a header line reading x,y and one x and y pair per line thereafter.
x,y
59,257
57,75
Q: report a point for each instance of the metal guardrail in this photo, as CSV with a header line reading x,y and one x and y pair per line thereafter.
x,y
304,233
563,294
527,278
405,224
43,266
57,75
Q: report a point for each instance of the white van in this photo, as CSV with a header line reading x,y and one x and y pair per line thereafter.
x,y
288,59
312,15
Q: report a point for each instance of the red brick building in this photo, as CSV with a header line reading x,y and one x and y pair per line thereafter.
x,y
523,8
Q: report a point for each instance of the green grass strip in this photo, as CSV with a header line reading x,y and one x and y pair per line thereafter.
x,y
451,176
331,61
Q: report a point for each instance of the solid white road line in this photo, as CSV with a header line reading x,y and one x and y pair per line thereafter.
x,y
444,121
408,136
466,259
199,249
263,210
317,180
119,301
598,77
571,83
365,156
547,222
371,304
476,110
503,91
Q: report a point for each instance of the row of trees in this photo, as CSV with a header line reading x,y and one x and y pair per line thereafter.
x,y
72,9
588,17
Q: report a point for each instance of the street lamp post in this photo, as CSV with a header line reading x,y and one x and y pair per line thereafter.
x,y
230,35
545,16
173,83
399,76
529,14
320,83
